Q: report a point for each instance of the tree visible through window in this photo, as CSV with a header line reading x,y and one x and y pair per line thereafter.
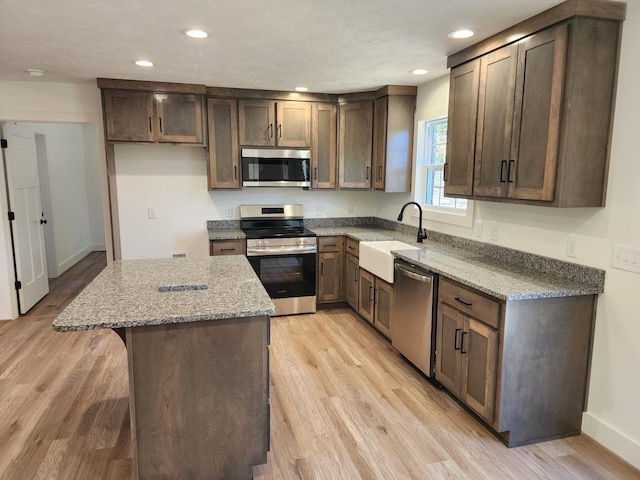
x,y
433,162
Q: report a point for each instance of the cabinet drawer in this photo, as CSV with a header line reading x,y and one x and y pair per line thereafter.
x,y
353,247
329,244
227,247
470,302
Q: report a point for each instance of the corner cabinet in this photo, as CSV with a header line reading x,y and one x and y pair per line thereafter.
x,y
265,123
224,160
142,116
355,145
530,122
501,359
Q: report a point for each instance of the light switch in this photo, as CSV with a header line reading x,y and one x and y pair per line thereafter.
x,y
152,213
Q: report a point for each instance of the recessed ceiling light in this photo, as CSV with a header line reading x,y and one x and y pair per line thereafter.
x,y
143,63
462,33
419,71
302,89
195,33
36,72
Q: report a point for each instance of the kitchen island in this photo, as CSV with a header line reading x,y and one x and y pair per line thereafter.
x,y
197,335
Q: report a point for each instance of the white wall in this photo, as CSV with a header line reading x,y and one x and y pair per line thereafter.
x,y
41,101
173,180
614,394
93,176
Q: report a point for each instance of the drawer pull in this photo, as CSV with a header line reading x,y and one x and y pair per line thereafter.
x,y
462,343
458,299
329,244
350,247
228,249
455,339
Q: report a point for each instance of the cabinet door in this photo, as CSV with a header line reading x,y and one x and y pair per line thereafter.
x,y
495,121
294,124
356,131
380,142
352,274
479,350
324,145
461,129
257,118
534,145
224,168
329,276
179,118
448,358
383,299
365,297
129,115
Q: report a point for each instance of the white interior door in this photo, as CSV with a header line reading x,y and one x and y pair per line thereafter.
x,y
24,200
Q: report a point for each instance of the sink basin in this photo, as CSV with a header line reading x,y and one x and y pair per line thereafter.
x,y
376,257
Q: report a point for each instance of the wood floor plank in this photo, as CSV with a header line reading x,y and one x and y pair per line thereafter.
x,y
344,405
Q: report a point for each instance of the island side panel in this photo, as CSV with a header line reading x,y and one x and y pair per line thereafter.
x,y
199,398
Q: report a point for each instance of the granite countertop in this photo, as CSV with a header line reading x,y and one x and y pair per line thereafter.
x,y
535,277
127,293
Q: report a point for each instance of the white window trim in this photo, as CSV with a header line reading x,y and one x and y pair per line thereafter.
x,y
430,212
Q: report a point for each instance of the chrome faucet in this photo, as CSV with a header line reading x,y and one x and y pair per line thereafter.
x,y
422,233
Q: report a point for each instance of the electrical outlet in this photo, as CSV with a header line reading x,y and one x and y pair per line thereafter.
x,y
320,210
477,229
493,231
152,213
228,212
349,209
572,247
625,258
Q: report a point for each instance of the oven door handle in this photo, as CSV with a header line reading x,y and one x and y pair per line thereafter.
x,y
289,250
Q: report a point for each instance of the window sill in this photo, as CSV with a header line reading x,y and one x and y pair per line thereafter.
x,y
450,216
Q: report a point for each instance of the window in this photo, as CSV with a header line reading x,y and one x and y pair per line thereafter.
x,y
432,148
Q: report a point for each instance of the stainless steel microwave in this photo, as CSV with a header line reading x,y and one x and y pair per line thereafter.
x,y
263,167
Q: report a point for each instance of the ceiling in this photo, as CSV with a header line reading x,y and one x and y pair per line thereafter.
x,y
329,46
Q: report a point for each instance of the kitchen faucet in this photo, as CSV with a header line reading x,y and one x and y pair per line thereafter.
x,y
422,233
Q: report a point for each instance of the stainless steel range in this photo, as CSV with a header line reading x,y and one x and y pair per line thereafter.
x,y
283,254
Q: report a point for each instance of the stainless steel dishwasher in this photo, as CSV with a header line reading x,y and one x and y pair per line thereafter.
x,y
413,315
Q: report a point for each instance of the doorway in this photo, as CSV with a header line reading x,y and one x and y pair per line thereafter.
x,y
69,177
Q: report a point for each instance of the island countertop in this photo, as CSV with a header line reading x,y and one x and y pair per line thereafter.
x,y
129,293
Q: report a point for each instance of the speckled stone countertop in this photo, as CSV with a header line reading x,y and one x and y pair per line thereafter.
x,y
127,294
500,272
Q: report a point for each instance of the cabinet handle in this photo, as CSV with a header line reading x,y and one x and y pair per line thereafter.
x,y
503,164
321,268
370,288
462,343
315,173
375,296
150,127
235,172
511,162
444,172
367,177
455,339
379,172
160,118
279,131
270,130
458,299
355,274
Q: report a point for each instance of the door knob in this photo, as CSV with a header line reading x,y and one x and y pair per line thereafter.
x,y
43,221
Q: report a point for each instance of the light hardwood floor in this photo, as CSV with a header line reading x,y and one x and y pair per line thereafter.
x,y
344,405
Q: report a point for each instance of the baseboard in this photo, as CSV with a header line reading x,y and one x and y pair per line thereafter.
x,y
73,259
626,448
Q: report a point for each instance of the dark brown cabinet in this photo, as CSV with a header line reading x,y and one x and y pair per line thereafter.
x,y
324,126
393,143
330,269
352,273
355,145
375,300
141,116
224,163
265,123
228,247
530,122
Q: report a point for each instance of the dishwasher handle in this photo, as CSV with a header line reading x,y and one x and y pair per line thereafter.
x,y
415,276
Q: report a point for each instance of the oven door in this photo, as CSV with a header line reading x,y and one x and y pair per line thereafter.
x,y
289,279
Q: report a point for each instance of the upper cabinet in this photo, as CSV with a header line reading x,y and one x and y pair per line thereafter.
x,y
146,116
355,146
530,121
265,123
224,161
324,145
393,142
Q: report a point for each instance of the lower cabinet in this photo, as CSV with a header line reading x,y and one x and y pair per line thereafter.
x,y
330,269
375,299
228,247
352,280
